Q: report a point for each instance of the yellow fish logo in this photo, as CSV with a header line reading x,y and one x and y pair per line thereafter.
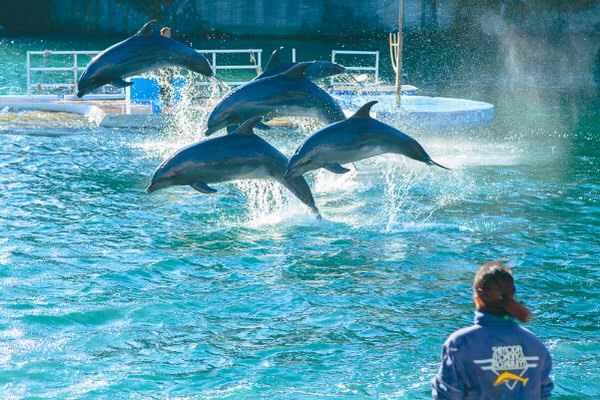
x,y
506,376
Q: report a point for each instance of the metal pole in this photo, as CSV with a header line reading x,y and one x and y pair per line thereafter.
x,y
74,73
399,55
28,74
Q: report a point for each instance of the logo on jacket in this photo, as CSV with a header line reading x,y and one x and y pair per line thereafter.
x,y
509,364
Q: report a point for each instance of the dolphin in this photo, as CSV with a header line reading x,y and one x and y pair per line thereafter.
x,y
240,155
285,94
507,376
356,138
315,71
142,52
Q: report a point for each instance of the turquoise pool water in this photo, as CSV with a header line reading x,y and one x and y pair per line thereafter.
x,y
108,292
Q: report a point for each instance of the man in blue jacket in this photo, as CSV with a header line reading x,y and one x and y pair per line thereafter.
x,y
495,358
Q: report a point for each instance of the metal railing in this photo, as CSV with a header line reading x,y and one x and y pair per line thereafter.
x,y
374,70
254,62
72,66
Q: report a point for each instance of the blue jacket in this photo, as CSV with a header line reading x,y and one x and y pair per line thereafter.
x,y
495,359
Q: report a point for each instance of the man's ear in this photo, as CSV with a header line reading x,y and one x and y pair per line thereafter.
x,y
478,302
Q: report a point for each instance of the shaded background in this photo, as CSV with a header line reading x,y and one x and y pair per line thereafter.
x,y
300,18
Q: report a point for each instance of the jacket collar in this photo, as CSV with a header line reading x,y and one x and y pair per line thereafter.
x,y
485,318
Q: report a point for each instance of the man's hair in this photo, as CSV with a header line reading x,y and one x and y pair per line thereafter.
x,y
494,285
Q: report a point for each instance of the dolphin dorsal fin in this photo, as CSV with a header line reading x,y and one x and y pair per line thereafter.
x,y
146,30
247,128
297,71
274,61
364,110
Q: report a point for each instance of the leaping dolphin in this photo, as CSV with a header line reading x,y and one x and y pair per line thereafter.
x,y
142,52
240,155
315,71
356,138
285,94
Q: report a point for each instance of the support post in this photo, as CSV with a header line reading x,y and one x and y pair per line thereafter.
x,y
398,83
28,74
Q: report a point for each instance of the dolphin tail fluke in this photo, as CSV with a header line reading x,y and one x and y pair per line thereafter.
x,y
431,162
301,190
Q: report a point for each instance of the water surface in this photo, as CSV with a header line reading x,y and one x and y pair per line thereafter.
x,y
108,292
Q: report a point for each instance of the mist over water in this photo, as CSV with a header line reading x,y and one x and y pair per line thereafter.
x,y
106,291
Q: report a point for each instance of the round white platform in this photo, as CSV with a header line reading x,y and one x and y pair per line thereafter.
x,y
422,110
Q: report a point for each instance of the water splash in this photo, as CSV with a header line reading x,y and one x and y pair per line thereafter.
x,y
327,182
397,195
186,117
269,203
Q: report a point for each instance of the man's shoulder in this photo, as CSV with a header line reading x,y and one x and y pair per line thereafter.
x,y
462,334
531,336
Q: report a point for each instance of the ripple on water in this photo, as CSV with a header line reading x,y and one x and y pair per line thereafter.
x,y
107,291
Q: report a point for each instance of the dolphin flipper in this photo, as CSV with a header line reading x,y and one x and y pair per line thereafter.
x,y
263,126
335,168
120,83
259,125
203,188
232,128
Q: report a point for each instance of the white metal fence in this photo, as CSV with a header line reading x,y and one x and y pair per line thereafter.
x,y
72,66
43,81
254,62
372,70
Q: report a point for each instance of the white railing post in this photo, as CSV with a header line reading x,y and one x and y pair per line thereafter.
x,y
293,54
377,67
28,74
333,62
74,72
259,62
127,100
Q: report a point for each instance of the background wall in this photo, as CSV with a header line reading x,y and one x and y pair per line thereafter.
x,y
299,18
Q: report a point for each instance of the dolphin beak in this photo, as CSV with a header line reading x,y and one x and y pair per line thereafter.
x,y
210,131
153,187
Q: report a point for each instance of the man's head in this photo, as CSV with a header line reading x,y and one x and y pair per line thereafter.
x,y
165,31
494,290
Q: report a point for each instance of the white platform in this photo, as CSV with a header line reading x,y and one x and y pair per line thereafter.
x,y
422,110
91,111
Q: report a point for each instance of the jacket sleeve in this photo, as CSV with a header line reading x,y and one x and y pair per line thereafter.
x,y
547,384
447,384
